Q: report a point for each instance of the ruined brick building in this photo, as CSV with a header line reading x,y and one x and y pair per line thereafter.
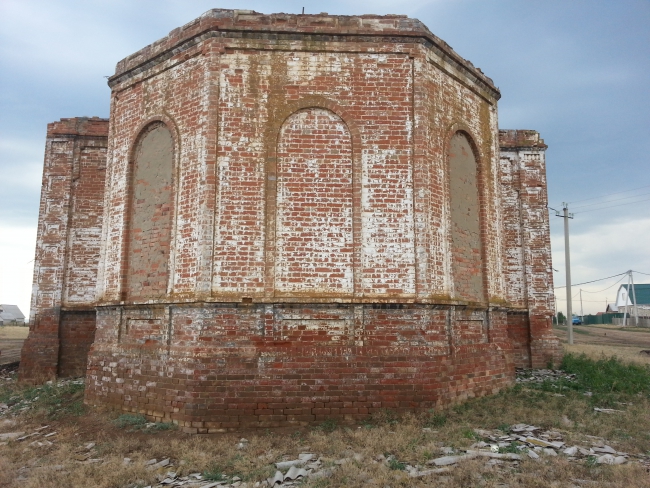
x,y
289,218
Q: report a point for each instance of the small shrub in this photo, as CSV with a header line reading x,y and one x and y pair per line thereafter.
x,y
512,448
328,425
139,422
470,434
386,416
214,473
135,421
396,465
164,426
436,419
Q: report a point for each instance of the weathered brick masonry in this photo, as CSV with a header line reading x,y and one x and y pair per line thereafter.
x,y
528,269
62,322
305,217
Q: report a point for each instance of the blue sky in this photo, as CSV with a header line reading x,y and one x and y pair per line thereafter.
x,y
576,71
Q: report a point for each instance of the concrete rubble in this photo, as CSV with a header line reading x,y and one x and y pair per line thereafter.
x,y
528,440
542,375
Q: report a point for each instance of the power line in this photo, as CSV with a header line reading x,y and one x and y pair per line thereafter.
x,y
647,274
592,281
612,206
610,194
586,301
609,201
610,286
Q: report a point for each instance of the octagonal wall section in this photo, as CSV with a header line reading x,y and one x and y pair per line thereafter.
x,y
314,233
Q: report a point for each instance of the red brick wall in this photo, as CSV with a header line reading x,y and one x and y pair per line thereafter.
x,y
87,206
527,246
315,200
225,367
325,259
76,335
298,247
68,239
519,335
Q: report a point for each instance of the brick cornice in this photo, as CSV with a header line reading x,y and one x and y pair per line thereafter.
x,y
238,24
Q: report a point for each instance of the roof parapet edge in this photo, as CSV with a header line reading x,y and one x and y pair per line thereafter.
x,y
225,20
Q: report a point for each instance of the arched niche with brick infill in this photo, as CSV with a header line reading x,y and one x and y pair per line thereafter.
x,y
314,229
150,212
466,227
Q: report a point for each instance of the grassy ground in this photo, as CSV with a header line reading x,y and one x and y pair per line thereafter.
x,y
564,406
595,341
13,332
11,341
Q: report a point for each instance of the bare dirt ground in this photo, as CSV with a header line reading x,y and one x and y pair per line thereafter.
x,y
596,341
11,342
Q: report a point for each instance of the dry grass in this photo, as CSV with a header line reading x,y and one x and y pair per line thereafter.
x,y
596,341
11,342
413,439
13,332
596,351
56,466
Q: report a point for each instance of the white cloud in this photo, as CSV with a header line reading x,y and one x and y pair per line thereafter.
x,y
602,250
22,162
17,246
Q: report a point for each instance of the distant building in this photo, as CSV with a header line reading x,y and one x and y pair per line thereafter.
x,y
625,299
11,315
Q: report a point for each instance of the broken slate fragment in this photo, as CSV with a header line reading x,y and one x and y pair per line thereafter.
x,y
542,443
571,451
447,460
288,464
427,472
606,459
604,450
607,410
161,464
10,436
277,478
295,473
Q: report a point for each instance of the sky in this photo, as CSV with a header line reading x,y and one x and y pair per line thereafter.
x,y
576,71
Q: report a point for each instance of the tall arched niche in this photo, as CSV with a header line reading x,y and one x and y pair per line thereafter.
x,y
314,228
150,214
466,242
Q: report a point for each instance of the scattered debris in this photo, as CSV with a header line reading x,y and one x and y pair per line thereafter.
x,y
501,448
542,375
606,410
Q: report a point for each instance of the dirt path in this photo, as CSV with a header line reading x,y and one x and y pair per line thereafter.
x,y
598,340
